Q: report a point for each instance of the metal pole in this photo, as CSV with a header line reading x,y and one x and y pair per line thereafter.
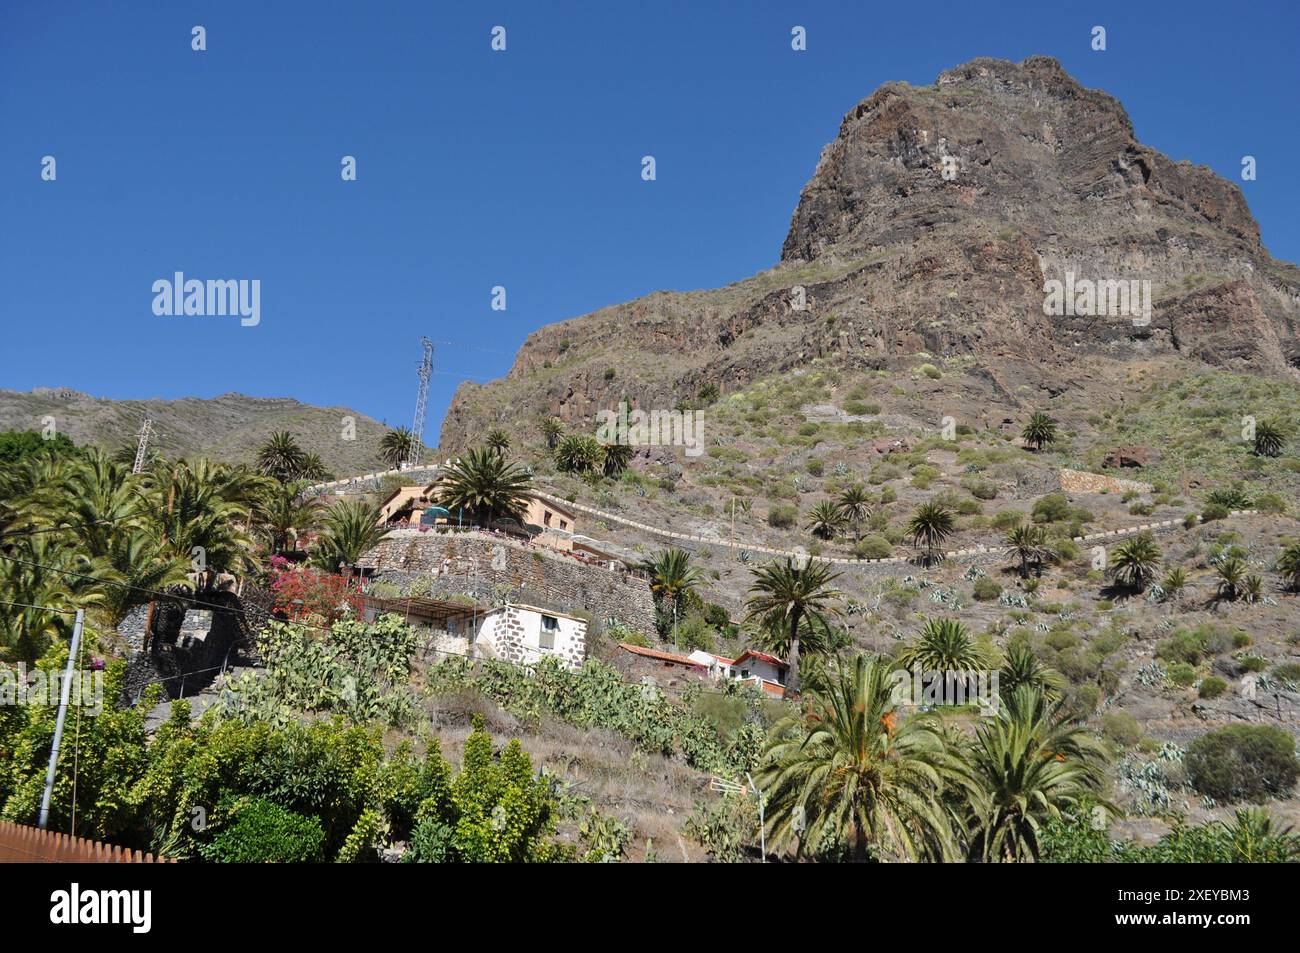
x,y
762,823
58,723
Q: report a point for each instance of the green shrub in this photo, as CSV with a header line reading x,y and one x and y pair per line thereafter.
x,y
782,517
873,547
1243,763
815,467
930,371
1121,728
986,589
265,833
1181,674
1214,511
1212,686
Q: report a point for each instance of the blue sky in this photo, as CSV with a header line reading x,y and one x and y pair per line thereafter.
x,y
478,168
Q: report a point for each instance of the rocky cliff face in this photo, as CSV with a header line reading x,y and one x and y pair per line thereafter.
x,y
931,224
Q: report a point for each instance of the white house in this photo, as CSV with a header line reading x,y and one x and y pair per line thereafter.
x,y
767,671
523,634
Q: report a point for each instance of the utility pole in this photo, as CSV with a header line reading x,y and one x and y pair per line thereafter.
x,y
421,401
58,723
146,430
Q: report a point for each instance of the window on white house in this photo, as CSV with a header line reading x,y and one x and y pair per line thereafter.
x,y
550,625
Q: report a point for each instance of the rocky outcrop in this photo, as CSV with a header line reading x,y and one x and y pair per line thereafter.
x,y
931,224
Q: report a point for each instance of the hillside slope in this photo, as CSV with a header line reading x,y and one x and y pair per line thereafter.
x,y
228,428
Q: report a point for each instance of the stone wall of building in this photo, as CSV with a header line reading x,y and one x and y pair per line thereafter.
x,y
497,569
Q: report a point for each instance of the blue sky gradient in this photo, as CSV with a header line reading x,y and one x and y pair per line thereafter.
x,y
478,168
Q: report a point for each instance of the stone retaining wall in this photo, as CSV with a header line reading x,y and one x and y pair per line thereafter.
x,y
496,569
1080,481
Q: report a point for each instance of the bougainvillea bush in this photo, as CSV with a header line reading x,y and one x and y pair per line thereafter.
x,y
301,592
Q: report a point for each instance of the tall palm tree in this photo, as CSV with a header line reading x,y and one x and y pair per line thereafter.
x,y
497,440
1039,431
135,564
349,530
1269,439
929,527
1031,763
280,457
672,579
1135,562
825,520
943,645
552,431
1288,565
1028,544
485,486
855,505
397,446
849,771
37,579
784,594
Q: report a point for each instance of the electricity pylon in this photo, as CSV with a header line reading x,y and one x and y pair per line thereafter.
x,y
421,402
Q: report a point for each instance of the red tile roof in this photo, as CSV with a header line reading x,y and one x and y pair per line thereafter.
x,y
660,656
762,656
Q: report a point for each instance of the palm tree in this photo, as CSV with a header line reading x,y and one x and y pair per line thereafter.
x,y
1039,431
498,441
1252,839
37,581
1233,579
552,430
1031,763
850,772
672,579
350,530
784,594
929,527
1022,667
1136,561
1175,581
397,446
486,487
1029,545
280,457
135,565
855,505
1288,565
1269,439
578,454
943,645
284,514
826,519
313,469
615,458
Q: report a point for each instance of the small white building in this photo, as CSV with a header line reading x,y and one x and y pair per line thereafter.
x,y
767,671
523,634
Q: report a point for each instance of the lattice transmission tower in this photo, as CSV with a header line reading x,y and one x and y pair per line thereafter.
x,y
421,402
142,448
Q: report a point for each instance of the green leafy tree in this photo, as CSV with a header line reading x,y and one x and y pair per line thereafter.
x,y
1028,545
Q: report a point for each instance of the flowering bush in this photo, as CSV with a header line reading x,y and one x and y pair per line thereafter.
x,y
300,592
